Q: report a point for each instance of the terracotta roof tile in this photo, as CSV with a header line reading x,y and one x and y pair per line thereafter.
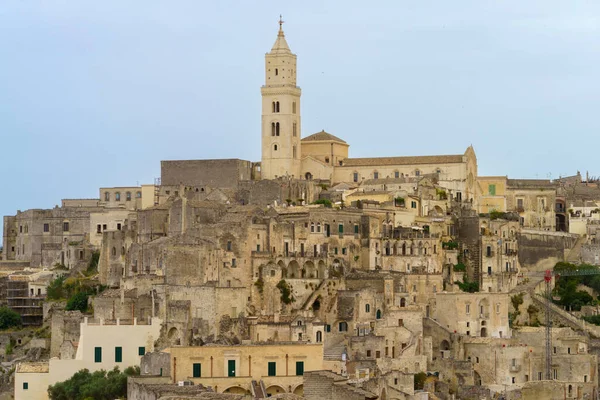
x,y
410,160
322,136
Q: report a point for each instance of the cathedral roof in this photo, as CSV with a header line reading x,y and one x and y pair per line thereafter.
x,y
280,46
322,137
410,160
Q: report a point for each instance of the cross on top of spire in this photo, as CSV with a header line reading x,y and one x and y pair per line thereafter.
x,y
281,21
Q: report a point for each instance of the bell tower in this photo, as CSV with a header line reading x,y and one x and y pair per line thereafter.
x,y
280,112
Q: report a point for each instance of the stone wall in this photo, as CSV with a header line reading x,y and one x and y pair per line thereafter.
x,y
223,173
590,254
540,250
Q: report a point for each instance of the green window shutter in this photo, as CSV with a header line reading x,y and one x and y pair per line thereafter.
x,y
25,385
118,354
231,368
492,190
97,354
340,228
355,228
299,367
197,370
141,351
272,369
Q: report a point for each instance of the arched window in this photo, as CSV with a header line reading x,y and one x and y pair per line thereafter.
x,y
294,107
277,106
106,196
273,106
276,72
396,174
343,326
138,195
272,128
402,302
417,173
295,129
367,308
319,337
128,196
378,314
118,196
276,128
275,147
375,175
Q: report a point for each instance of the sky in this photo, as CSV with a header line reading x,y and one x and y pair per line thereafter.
x,y
95,94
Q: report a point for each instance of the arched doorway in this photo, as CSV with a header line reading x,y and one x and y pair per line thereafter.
x,y
308,176
173,336
483,332
402,302
274,390
445,345
299,390
378,314
236,390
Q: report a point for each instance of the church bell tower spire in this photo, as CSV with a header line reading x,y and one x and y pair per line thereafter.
x,y
280,112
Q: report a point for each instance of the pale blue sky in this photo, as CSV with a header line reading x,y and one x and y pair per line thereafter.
x,y
97,93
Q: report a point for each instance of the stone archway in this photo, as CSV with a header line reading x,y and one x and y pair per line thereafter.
x,y
236,390
173,336
308,176
275,390
299,390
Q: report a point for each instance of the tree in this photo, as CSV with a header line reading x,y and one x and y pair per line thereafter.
x,y
9,318
99,385
56,290
78,301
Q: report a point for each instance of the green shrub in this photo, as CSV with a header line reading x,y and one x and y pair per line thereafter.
x,y
260,285
9,318
327,203
468,286
420,380
79,301
460,267
451,245
286,292
99,385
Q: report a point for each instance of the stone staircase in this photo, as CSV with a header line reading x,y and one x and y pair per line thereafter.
x,y
258,390
315,294
574,256
333,352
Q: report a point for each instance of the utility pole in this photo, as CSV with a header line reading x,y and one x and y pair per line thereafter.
x,y
548,279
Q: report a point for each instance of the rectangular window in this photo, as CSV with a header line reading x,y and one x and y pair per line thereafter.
x,y
98,228
229,246
299,368
294,129
98,354
356,229
230,368
520,204
413,204
118,354
378,354
343,250
492,190
396,174
46,227
118,227
375,175
327,328
258,247
355,177
141,351
197,370
233,263
341,229
65,226
25,385
468,308
272,368
104,227
335,250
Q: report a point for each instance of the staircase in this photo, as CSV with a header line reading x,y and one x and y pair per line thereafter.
x,y
311,299
574,256
333,352
258,390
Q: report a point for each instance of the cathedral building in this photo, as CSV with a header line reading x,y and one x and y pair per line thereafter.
x,y
323,156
